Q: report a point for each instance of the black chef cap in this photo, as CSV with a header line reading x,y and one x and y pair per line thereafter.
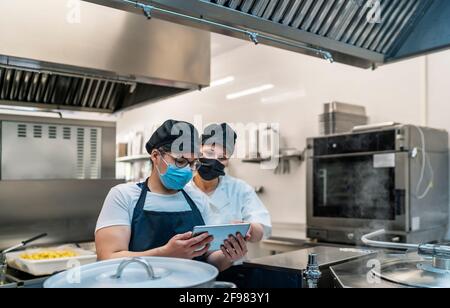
x,y
174,136
221,134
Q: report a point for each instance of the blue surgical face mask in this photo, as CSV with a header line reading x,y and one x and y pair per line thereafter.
x,y
175,178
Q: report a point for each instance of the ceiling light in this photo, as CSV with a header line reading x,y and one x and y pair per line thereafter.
x,y
221,82
250,91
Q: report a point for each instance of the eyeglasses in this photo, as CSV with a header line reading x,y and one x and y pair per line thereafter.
x,y
182,162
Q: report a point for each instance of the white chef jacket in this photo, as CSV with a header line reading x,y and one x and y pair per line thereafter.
x,y
235,200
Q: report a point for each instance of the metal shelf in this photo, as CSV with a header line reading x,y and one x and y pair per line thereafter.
x,y
299,157
132,159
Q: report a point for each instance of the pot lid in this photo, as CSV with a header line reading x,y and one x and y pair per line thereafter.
x,y
417,274
149,272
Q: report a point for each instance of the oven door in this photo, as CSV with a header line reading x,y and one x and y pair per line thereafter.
x,y
350,190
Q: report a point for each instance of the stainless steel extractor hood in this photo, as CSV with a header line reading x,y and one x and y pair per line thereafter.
x,y
77,55
363,33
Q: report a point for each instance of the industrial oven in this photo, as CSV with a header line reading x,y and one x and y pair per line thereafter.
x,y
394,177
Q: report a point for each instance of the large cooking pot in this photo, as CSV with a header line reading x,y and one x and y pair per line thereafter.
x,y
148,272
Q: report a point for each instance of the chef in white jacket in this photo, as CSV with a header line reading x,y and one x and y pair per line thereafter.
x,y
231,200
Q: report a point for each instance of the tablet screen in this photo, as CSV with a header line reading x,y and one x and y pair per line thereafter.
x,y
221,233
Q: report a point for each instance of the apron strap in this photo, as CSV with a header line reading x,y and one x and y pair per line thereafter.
x,y
144,189
193,206
141,201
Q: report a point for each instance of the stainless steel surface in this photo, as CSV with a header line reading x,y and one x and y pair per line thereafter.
x,y
371,127
435,250
106,152
410,272
358,274
6,284
427,268
423,219
338,122
312,273
344,108
32,110
3,268
50,151
441,263
23,280
243,17
254,37
66,209
147,266
106,60
440,254
60,90
38,192
368,240
431,34
50,148
297,261
341,118
361,33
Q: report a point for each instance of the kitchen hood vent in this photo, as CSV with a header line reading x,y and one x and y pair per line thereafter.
x,y
363,33
59,91
106,61
353,22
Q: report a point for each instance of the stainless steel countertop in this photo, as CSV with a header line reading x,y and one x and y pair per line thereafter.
x,y
298,260
8,286
354,274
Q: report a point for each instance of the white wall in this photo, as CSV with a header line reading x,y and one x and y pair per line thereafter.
x,y
392,93
439,90
438,81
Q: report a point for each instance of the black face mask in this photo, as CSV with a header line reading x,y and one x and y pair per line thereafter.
x,y
211,169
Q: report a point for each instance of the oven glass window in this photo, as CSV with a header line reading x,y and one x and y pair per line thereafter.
x,y
350,187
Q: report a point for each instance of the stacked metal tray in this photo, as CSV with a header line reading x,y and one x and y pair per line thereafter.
x,y
341,118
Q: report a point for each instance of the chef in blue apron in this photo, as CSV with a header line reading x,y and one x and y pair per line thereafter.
x,y
156,217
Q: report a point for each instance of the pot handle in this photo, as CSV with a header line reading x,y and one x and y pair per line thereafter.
x,y
141,261
223,285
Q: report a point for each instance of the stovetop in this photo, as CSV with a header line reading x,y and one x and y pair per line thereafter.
x,y
20,279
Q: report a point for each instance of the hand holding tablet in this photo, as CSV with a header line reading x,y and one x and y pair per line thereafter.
x,y
220,233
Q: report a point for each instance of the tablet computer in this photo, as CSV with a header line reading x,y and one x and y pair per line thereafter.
x,y
221,233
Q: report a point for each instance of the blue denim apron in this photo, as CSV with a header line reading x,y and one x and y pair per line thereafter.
x,y
150,229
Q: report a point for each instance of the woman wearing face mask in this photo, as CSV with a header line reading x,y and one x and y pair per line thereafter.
x,y
230,200
155,218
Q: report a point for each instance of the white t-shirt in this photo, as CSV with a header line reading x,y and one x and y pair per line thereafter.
x,y
235,200
119,205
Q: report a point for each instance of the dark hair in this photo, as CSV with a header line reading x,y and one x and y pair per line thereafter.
x,y
165,148
162,150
